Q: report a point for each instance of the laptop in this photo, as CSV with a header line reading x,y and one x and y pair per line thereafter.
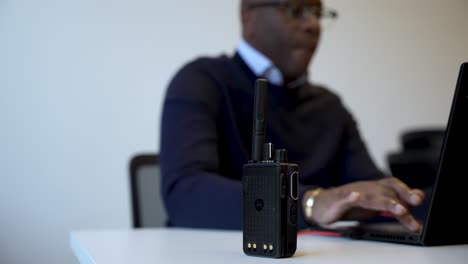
x,y
446,221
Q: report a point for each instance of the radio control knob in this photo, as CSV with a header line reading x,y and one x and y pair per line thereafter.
x,y
281,156
268,152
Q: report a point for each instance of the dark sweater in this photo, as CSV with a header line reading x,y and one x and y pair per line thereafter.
x,y
206,135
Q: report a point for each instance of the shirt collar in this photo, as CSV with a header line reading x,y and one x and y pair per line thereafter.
x,y
259,63
262,66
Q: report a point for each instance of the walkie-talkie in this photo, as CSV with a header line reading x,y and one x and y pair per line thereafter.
x,y
270,191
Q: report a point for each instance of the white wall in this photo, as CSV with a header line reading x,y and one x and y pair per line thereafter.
x,y
81,84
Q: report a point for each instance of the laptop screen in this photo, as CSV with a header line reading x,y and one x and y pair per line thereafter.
x,y
443,222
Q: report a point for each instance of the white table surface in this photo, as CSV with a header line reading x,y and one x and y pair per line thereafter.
x,y
152,246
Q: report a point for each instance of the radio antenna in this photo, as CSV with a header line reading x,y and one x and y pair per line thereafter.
x,y
259,118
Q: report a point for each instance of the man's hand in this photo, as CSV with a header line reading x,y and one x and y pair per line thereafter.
x,y
366,199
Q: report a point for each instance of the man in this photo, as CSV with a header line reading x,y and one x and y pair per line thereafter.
x,y
207,125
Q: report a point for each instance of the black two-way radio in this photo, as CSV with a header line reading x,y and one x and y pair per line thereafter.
x,y
270,192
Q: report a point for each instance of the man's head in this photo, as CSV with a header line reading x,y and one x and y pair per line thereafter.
x,y
284,30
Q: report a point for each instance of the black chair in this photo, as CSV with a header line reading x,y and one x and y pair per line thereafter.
x,y
147,206
416,164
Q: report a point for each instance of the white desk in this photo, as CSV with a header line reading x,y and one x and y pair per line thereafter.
x,y
181,246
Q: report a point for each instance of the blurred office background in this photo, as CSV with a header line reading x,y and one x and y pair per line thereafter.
x,y
82,81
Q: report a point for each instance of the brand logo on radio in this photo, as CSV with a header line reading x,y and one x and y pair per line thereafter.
x,y
259,204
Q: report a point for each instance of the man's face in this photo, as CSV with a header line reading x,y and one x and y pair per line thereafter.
x,y
278,32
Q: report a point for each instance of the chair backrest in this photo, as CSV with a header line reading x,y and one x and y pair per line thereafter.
x,y
417,162
147,206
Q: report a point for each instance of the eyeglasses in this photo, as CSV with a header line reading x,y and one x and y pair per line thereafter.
x,y
296,10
